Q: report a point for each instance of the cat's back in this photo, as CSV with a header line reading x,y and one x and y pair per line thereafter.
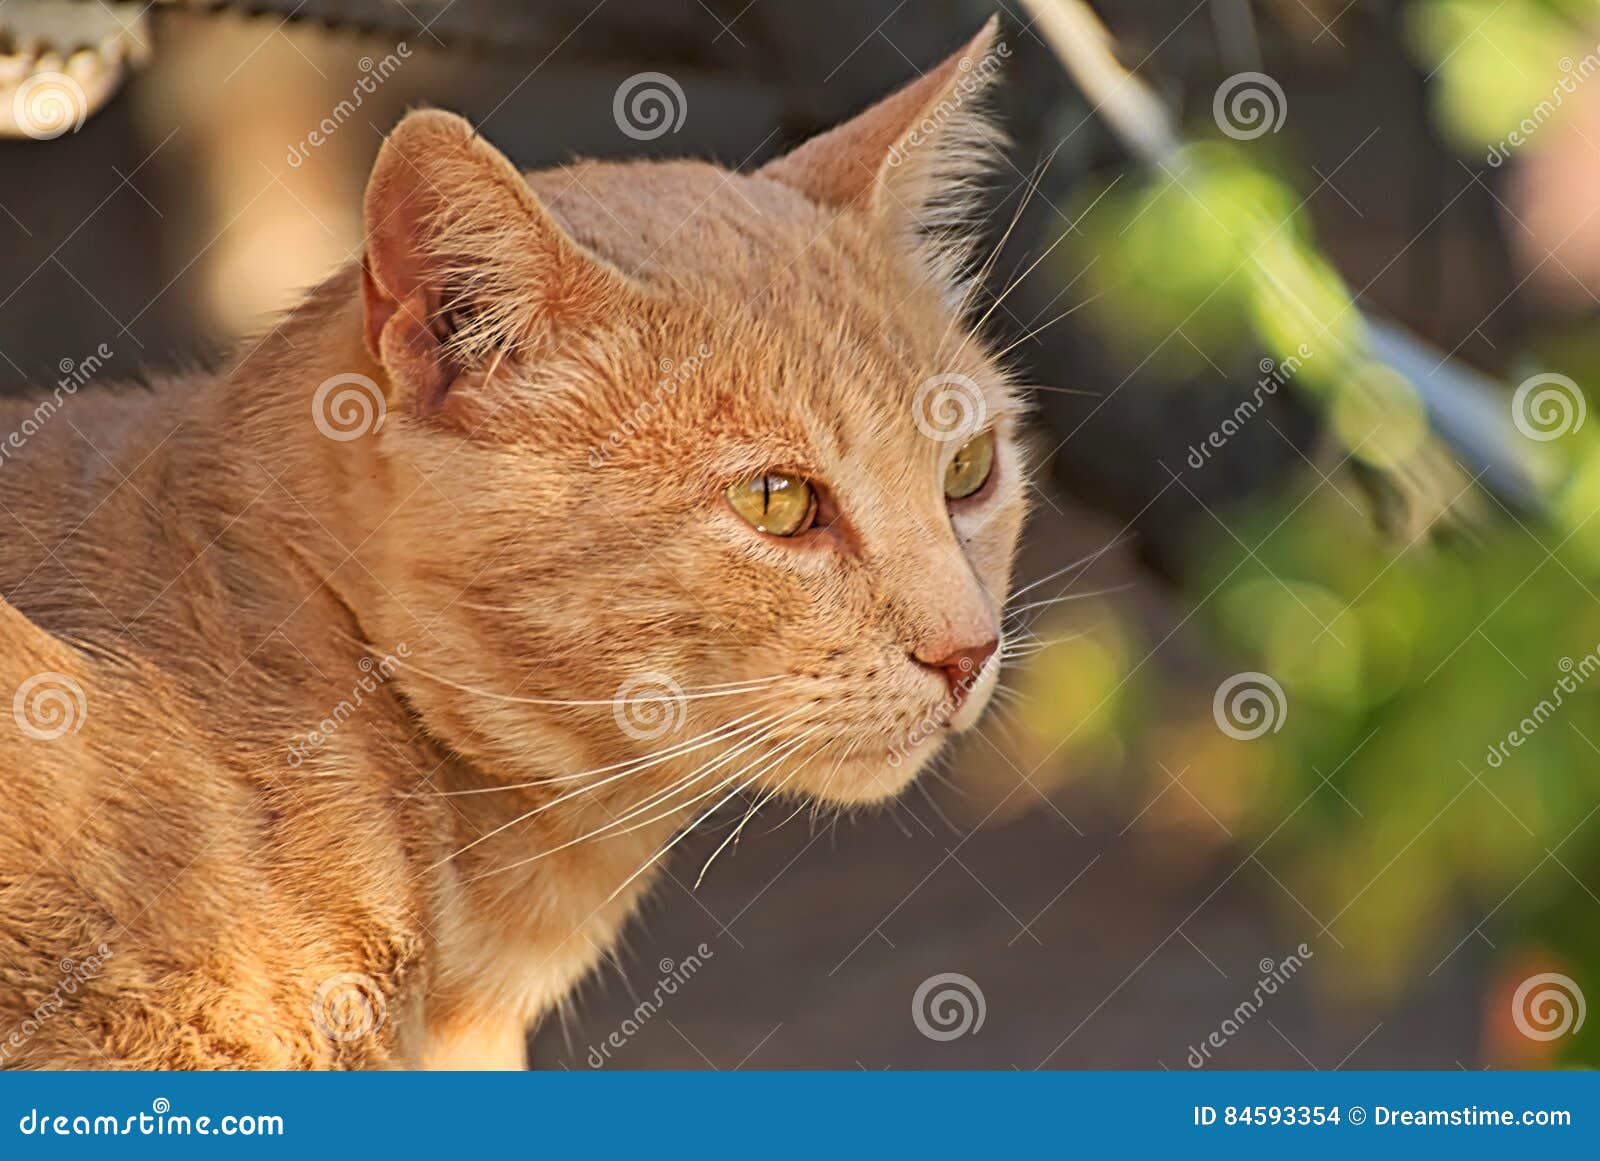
x,y
153,835
77,473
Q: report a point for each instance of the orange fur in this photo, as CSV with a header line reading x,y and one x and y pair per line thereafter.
x,y
573,364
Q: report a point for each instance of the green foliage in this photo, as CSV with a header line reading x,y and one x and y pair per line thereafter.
x,y
1496,64
1212,241
1438,757
1451,699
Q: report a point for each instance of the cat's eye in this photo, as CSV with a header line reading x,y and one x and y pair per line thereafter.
x,y
776,503
970,467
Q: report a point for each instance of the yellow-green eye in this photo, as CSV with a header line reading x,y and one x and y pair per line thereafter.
x,y
776,503
970,468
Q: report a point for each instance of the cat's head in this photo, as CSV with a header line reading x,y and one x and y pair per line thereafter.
x,y
693,463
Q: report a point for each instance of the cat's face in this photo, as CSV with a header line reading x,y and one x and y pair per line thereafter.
x,y
745,486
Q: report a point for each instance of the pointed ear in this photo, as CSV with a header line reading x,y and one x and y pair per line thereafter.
x,y
463,265
915,153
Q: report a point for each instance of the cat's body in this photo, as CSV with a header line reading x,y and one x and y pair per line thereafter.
x,y
323,751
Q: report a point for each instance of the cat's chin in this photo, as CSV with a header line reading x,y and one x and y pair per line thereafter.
x,y
879,774
868,778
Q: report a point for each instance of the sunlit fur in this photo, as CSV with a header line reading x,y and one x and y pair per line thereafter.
x,y
212,571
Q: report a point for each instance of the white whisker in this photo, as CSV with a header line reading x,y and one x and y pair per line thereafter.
x,y
777,756
727,689
571,794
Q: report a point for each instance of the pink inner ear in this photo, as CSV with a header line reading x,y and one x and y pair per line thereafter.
x,y
376,306
400,298
441,206
394,269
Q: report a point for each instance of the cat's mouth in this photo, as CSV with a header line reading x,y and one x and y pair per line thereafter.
x,y
956,713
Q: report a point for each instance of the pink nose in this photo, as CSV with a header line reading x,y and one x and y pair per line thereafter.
x,y
961,667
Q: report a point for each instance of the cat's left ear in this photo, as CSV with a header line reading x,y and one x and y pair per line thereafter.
x,y
463,264
914,155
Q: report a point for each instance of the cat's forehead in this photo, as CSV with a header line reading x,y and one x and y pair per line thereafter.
x,y
691,220
792,330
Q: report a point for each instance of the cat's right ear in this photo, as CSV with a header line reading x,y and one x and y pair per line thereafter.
x,y
463,266
915,156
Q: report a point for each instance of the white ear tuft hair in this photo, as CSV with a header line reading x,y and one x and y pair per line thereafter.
x,y
917,158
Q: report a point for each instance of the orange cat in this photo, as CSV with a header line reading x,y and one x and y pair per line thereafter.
x,y
357,689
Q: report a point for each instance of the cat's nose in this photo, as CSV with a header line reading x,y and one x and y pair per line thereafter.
x,y
961,666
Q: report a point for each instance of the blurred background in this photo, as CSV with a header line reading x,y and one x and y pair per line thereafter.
x,y
1301,764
